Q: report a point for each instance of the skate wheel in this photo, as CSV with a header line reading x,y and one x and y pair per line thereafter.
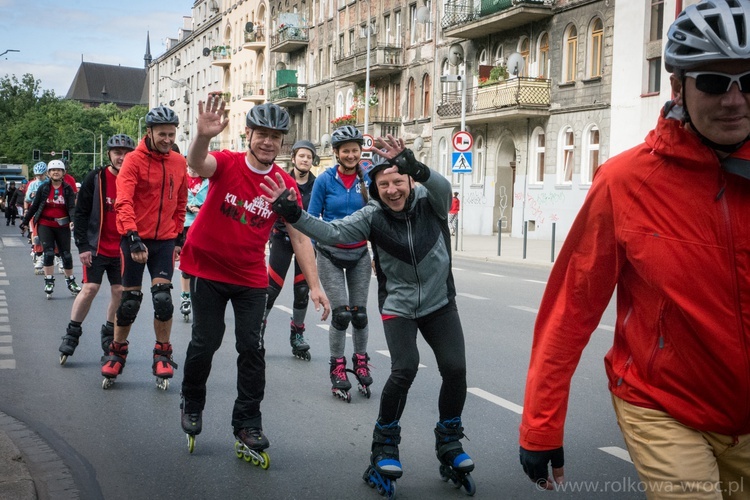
x,y
162,383
469,485
365,391
191,443
238,449
248,458
265,460
186,318
444,474
63,358
306,356
107,383
49,296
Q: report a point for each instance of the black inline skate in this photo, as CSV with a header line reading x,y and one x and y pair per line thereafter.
x,y
300,348
113,363
455,463
49,285
385,466
250,445
73,287
69,342
192,423
361,370
339,380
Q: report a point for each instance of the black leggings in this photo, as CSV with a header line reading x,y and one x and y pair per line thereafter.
x,y
279,260
49,237
442,331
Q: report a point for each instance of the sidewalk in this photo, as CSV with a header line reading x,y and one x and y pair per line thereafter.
x,y
484,248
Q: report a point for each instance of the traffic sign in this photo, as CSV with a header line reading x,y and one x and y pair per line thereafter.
x,y
461,162
52,153
369,142
365,164
462,141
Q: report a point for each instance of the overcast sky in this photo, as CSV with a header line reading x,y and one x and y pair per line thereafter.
x,y
53,36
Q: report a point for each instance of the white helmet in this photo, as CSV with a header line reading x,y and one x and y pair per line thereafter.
x,y
59,164
711,30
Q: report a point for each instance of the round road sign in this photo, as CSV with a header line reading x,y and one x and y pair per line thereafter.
x,y
369,142
462,141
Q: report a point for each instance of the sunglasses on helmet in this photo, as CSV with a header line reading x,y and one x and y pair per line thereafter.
x,y
719,83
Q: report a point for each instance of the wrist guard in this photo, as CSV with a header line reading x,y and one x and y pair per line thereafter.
x,y
135,242
409,165
288,209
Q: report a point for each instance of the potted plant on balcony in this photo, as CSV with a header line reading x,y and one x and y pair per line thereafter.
x,y
343,120
221,51
497,74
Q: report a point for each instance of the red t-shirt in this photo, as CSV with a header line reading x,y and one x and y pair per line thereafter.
x,y
228,239
55,207
109,238
348,179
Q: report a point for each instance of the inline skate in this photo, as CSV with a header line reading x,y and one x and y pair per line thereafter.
x,y
38,265
59,264
113,363
250,445
339,380
361,370
72,285
107,335
455,463
186,306
163,366
300,348
385,466
192,424
70,342
49,285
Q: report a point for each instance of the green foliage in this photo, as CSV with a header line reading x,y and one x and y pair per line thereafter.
x,y
33,118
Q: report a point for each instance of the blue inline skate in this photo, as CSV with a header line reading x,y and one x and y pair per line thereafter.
x,y
385,466
455,463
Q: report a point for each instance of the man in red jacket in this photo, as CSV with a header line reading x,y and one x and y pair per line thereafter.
x,y
666,225
151,204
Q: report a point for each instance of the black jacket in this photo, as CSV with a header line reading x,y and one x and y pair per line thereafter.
x,y
89,212
40,201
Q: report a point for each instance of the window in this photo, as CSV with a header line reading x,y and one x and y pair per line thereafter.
x,y
657,20
413,24
340,104
387,27
536,173
567,150
428,24
397,39
411,99
443,166
426,101
477,170
591,158
654,75
352,40
321,66
349,101
595,48
523,49
445,86
341,45
543,57
397,100
569,54
499,59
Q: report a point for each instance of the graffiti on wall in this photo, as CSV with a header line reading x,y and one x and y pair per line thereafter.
x,y
475,197
540,207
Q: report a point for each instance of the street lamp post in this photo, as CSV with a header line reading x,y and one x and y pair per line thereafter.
x,y
93,158
461,81
9,50
367,79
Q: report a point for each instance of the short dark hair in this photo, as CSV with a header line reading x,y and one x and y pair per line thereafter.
x,y
455,193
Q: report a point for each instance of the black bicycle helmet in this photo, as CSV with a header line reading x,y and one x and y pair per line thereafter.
x,y
270,116
346,133
161,115
378,163
121,141
304,145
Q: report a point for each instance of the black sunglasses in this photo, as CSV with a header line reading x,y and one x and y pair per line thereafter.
x,y
719,83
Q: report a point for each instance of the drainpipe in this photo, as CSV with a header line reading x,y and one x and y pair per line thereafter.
x,y
677,8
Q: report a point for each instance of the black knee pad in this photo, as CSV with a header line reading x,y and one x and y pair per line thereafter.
x,y
129,307
49,257
162,299
301,295
186,275
340,318
359,317
272,292
67,259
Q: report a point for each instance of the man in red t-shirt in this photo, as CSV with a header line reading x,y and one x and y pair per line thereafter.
x,y
453,213
98,241
225,256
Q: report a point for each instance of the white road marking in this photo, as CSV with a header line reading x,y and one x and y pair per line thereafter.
x,y
536,281
6,338
283,308
456,269
387,354
508,405
618,452
525,309
470,296
494,275
4,282
3,319
13,242
3,303
5,328
3,311
9,364
6,350
328,329
606,327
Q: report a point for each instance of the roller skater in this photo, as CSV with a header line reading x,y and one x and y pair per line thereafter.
x,y
192,423
70,342
163,366
300,348
49,285
250,445
455,463
361,370
73,287
385,466
339,380
186,306
114,362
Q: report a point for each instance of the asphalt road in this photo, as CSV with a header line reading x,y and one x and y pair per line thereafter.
x,y
127,443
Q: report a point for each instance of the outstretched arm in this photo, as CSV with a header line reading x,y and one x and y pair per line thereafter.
x,y
211,122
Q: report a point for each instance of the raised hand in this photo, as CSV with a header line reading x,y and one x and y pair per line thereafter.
x,y
211,118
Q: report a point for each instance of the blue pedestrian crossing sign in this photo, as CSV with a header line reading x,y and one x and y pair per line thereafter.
x,y
462,162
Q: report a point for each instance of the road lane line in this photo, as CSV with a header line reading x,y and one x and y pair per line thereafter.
x,y
5,328
283,308
470,296
536,281
525,309
508,405
494,275
7,364
456,269
328,329
618,452
6,350
6,338
387,354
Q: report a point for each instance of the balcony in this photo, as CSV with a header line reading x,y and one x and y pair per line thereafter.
x,y
290,95
471,20
256,40
506,100
253,92
221,55
289,39
384,60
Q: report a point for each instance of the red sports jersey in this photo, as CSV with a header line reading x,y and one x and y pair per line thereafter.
x,y
54,209
228,239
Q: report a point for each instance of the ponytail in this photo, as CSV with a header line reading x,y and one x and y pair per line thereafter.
x,y
362,186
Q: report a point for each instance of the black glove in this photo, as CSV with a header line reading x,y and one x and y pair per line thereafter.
x,y
135,242
409,165
288,209
535,463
